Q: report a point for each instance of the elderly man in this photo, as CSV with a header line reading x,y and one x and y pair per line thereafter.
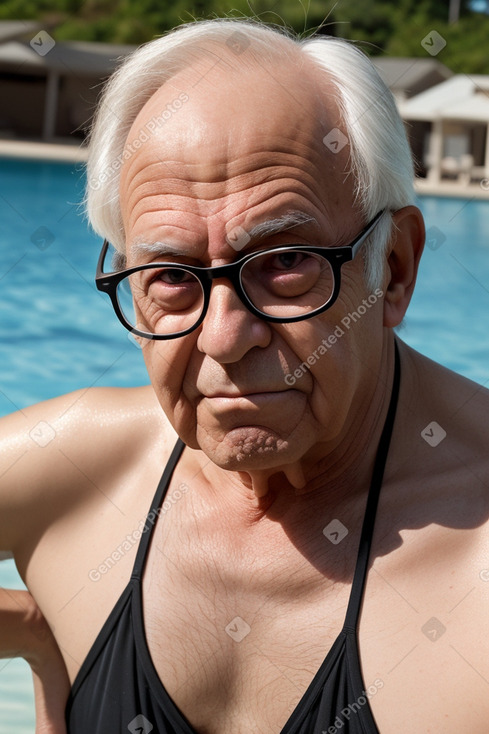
x,y
311,560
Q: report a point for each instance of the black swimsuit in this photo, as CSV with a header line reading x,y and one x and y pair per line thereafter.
x,y
118,689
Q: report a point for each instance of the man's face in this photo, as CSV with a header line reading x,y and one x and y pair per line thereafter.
x,y
246,148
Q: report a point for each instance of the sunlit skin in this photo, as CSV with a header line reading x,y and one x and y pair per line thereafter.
x,y
267,464
223,162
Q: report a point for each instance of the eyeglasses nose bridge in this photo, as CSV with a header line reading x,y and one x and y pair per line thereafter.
x,y
230,273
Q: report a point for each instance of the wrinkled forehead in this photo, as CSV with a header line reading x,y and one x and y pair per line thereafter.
x,y
221,117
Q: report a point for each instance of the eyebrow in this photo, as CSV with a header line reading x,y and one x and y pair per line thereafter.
x,y
270,227
160,248
282,224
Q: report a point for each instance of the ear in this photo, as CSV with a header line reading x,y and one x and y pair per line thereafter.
x,y
403,256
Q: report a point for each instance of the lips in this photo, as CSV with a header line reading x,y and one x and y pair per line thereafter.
x,y
244,394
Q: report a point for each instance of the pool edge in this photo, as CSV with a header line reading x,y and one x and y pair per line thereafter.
x,y
43,151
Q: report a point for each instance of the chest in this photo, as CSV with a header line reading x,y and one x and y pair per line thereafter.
x,y
237,638
231,658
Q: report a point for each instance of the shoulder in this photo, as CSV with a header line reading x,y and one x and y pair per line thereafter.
x,y
452,407
434,519
99,419
55,453
438,469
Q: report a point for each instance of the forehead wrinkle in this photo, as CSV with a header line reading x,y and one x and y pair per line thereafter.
x,y
144,160
152,197
152,170
170,194
167,173
289,220
312,116
260,165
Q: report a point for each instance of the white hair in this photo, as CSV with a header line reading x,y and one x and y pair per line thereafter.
x,y
380,156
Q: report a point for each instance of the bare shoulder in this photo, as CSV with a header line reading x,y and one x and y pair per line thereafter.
x,y
433,528
449,405
54,451
442,445
439,476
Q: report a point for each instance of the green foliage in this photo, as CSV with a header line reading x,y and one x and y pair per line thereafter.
x,y
398,29
381,26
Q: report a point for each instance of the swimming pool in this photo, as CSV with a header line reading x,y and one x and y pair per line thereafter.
x,y
51,340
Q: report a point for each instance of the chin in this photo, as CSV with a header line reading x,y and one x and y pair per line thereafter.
x,y
248,448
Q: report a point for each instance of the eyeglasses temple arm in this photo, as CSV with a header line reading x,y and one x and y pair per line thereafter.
x,y
100,272
366,231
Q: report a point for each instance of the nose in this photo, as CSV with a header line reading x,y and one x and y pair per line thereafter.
x,y
229,330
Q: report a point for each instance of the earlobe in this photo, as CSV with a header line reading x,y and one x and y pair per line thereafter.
x,y
403,256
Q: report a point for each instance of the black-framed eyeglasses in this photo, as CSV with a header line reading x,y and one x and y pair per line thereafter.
x,y
283,284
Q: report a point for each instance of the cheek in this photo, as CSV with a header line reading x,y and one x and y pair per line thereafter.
x,y
167,363
347,362
362,321
336,379
330,359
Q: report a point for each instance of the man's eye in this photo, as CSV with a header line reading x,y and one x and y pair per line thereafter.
x,y
287,260
175,276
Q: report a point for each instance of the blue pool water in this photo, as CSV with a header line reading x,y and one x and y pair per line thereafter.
x,y
58,334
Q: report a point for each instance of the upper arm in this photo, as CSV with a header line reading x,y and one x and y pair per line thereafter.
x,y
29,444
64,451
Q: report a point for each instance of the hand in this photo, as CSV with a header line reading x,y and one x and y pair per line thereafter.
x,y
51,688
50,677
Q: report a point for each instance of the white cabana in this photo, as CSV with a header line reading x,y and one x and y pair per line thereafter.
x,y
450,122
50,89
407,77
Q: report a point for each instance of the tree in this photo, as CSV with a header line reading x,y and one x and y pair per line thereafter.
x,y
380,26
